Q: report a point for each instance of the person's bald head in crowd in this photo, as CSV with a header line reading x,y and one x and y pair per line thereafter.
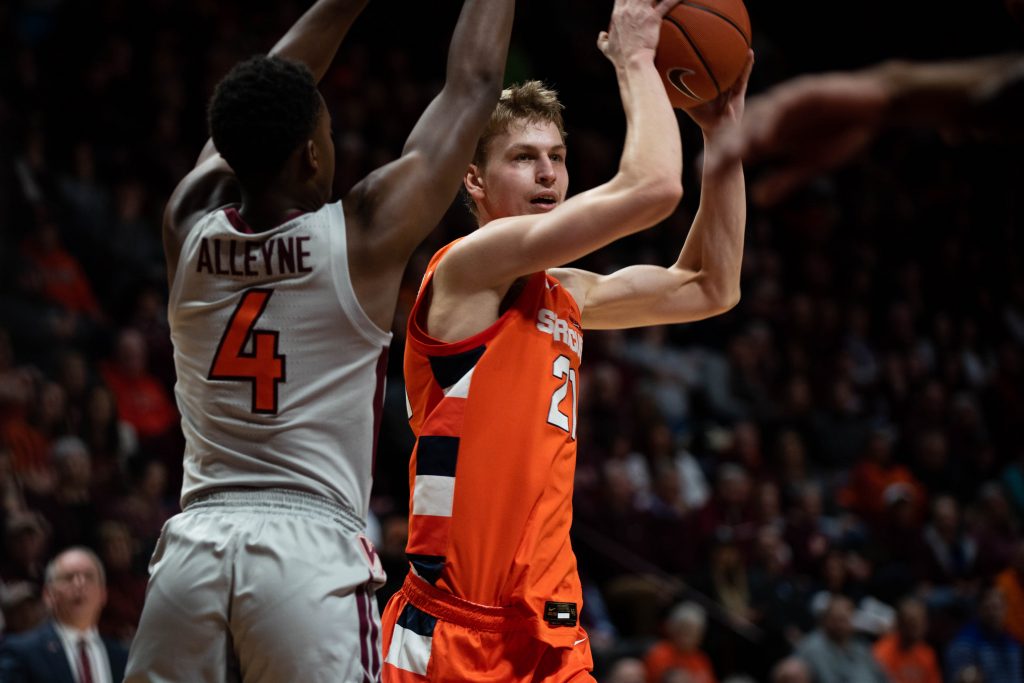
x,y
791,670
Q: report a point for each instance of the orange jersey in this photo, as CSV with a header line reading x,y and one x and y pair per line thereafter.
x,y
917,664
492,473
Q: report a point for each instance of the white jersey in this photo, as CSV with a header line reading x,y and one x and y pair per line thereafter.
x,y
280,371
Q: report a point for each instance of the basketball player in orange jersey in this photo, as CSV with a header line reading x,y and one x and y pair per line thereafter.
x,y
279,309
492,361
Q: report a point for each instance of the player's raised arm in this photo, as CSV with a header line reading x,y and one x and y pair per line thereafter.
x,y
812,124
313,41
399,204
705,279
645,189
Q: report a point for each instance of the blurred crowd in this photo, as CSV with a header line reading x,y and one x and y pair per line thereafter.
x,y
826,483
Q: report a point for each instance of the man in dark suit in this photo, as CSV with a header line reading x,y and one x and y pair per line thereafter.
x,y
67,648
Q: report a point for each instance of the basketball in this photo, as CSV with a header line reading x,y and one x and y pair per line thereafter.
x,y
702,49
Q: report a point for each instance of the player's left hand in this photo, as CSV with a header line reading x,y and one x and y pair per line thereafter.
x,y
727,108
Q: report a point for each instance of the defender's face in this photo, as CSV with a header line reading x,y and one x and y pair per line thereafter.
x,y
524,173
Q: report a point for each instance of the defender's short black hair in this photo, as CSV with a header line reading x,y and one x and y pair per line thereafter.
x,y
260,112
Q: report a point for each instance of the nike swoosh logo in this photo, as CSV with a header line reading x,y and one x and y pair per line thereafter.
x,y
676,76
581,640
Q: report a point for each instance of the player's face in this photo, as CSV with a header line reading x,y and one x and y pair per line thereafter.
x,y
524,173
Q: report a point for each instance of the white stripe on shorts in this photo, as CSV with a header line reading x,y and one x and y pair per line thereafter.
x,y
409,651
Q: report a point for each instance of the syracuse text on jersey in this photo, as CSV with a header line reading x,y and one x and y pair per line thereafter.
x,y
561,330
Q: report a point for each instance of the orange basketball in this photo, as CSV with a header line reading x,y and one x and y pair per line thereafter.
x,y
702,49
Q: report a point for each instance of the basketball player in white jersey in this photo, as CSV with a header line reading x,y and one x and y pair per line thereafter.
x,y
279,308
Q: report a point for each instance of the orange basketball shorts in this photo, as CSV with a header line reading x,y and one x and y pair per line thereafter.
x,y
430,636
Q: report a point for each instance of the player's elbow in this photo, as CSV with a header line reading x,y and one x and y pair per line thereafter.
x,y
478,84
660,196
723,299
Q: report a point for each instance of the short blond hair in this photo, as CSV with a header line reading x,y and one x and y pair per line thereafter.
x,y
528,102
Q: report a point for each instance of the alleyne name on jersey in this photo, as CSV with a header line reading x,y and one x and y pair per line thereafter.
x,y
274,256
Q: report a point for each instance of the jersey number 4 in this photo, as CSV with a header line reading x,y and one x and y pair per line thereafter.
x,y
262,365
563,370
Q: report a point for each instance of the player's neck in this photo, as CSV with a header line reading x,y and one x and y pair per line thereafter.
x,y
268,209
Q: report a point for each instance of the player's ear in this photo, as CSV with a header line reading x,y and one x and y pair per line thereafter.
x,y
474,182
310,157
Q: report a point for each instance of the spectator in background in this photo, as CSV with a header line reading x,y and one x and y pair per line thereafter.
x,y
57,275
949,561
126,586
1010,583
904,655
681,648
110,440
834,653
26,545
142,401
985,644
873,475
23,608
69,647
791,670
70,507
626,670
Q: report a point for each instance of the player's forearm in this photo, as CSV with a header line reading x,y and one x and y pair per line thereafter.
x,y
476,56
981,95
652,153
315,37
714,247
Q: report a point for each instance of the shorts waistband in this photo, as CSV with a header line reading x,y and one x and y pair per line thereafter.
x,y
278,500
444,605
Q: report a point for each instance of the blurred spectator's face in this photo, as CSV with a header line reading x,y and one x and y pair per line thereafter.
x,y
524,173
627,671
131,352
791,452
51,403
799,395
878,449
837,622
28,545
676,676
101,406
76,593
118,547
768,500
75,467
992,610
686,635
791,671
946,516
155,480
726,557
913,622
74,374
734,487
